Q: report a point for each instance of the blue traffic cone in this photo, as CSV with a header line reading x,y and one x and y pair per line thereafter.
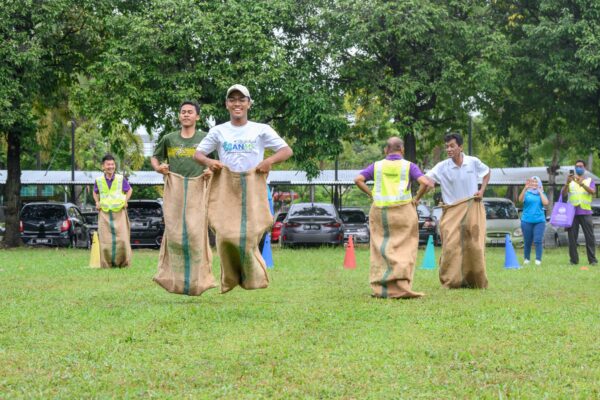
x,y
266,252
510,257
429,259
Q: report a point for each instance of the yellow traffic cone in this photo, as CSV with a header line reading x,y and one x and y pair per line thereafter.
x,y
95,255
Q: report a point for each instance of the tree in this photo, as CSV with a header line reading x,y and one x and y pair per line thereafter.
x,y
44,45
172,51
420,64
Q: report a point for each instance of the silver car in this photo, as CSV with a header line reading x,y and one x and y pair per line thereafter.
x,y
502,218
355,224
312,223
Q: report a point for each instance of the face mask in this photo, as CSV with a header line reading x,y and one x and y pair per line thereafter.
x,y
579,170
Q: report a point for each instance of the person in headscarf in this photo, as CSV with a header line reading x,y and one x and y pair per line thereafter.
x,y
533,219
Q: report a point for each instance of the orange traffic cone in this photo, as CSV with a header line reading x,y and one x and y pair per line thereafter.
x,y
350,258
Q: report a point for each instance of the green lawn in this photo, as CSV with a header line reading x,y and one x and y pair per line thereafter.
x,y
67,331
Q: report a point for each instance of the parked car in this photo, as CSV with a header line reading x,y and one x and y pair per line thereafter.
x,y
276,230
91,220
53,224
316,223
556,237
147,223
355,224
428,225
502,219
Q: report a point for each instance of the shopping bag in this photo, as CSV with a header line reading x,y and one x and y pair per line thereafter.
x,y
562,214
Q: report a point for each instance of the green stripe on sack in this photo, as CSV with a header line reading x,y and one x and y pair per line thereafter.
x,y
185,241
113,237
243,227
386,238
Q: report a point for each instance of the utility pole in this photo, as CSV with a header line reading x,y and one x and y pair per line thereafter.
x,y
73,197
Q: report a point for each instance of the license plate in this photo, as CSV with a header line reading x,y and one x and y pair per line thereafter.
x,y
311,227
137,225
41,241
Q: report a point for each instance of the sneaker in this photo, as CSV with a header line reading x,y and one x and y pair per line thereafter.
x,y
538,262
525,261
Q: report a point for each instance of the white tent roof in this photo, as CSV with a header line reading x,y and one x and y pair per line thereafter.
x,y
500,176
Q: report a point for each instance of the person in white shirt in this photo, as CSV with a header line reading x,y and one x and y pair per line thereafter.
x,y
462,226
241,143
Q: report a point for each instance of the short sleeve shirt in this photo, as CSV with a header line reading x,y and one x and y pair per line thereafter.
x,y
414,171
241,148
458,183
126,185
178,152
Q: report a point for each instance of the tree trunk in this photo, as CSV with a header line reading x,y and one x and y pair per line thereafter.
x,y
410,147
12,236
552,171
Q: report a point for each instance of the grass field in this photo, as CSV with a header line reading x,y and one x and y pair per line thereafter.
x,y
67,331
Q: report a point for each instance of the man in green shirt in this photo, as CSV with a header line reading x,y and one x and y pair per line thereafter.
x,y
175,151
184,265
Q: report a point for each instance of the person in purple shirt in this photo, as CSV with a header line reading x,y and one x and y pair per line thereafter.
x,y
394,224
581,190
109,167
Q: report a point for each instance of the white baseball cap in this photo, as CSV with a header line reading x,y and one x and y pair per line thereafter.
x,y
240,88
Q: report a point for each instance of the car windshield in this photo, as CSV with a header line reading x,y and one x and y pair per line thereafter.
x,y
423,211
353,217
281,217
310,210
144,210
91,218
500,210
45,212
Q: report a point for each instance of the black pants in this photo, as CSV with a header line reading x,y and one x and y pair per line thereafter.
x,y
590,241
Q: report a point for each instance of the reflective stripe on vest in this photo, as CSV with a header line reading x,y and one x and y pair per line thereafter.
x,y
113,198
391,183
578,196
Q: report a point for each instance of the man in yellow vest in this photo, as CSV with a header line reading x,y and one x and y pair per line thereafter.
x,y
393,221
111,193
580,190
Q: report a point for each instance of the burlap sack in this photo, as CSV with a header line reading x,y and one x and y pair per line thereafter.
x,y
394,242
185,259
113,235
462,228
238,211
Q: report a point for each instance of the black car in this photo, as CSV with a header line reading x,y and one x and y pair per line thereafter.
x,y
427,225
53,224
355,224
312,223
147,223
91,219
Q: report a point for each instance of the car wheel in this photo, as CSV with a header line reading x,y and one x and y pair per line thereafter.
x,y
158,241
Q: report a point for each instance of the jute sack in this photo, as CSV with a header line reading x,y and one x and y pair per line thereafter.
x,y
394,242
462,228
113,235
185,259
238,210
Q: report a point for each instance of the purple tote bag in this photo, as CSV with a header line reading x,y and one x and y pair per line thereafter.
x,y
562,214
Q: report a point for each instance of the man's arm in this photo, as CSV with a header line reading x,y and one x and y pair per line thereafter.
x,y
280,156
484,183
425,184
96,200
579,180
128,195
361,182
160,167
213,165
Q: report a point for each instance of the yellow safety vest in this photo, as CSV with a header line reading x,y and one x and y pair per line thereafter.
x,y
113,198
578,195
392,178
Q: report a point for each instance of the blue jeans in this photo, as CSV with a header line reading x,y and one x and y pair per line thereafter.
x,y
533,233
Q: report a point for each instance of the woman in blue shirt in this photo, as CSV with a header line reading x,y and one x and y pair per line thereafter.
x,y
533,219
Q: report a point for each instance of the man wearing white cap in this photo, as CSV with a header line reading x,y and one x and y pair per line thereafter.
x,y
238,208
241,143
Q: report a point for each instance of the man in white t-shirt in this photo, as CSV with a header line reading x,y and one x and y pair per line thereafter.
x,y
463,223
241,143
